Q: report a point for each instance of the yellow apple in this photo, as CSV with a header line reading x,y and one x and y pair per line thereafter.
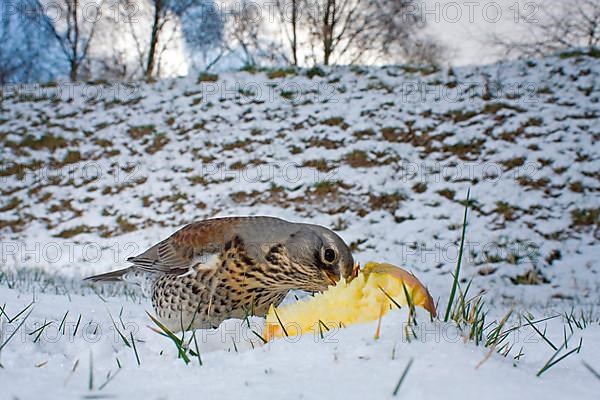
x,y
365,298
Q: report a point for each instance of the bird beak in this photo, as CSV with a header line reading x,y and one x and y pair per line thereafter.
x,y
355,272
333,279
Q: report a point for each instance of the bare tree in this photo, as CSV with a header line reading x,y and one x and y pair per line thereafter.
x,y
161,14
146,49
243,30
204,35
10,61
26,51
290,17
236,33
353,31
424,50
113,67
73,28
568,24
165,29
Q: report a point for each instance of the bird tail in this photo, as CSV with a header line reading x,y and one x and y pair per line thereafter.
x,y
112,276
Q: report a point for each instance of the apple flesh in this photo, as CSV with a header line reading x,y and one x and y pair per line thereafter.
x,y
365,298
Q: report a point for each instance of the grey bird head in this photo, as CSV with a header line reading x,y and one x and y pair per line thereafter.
x,y
319,256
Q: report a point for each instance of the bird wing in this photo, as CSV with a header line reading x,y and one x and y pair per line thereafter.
x,y
194,245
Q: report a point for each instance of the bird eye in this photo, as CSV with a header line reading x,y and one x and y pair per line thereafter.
x,y
329,255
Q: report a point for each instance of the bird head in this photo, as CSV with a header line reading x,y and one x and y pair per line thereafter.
x,y
319,257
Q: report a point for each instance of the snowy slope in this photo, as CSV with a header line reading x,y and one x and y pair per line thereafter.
x,y
385,156
92,175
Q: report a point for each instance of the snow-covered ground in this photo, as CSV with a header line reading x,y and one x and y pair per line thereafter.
x,y
94,174
91,360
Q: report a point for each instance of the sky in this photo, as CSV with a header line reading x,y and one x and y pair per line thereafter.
x,y
463,25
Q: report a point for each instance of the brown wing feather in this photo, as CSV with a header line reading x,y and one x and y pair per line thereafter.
x,y
191,245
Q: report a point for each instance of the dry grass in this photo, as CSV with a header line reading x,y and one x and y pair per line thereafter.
x,y
157,144
321,165
335,121
206,77
585,218
138,132
45,142
388,201
359,159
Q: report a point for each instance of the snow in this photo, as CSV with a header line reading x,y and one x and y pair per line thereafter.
x,y
347,363
154,157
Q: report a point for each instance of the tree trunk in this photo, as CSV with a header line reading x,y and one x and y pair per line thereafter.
x,y
328,22
326,55
74,42
73,73
294,30
153,40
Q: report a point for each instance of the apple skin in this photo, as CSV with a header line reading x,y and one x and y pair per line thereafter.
x,y
420,294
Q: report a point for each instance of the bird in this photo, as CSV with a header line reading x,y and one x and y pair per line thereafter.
x,y
234,267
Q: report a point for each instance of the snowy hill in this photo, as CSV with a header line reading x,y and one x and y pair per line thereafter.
x,y
95,173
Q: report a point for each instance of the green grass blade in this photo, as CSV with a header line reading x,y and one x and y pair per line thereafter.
x,y
173,337
10,320
592,370
390,298
280,323
40,330
61,327
109,378
412,314
542,334
197,350
123,338
15,331
458,262
77,325
552,361
137,357
91,375
259,336
410,362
